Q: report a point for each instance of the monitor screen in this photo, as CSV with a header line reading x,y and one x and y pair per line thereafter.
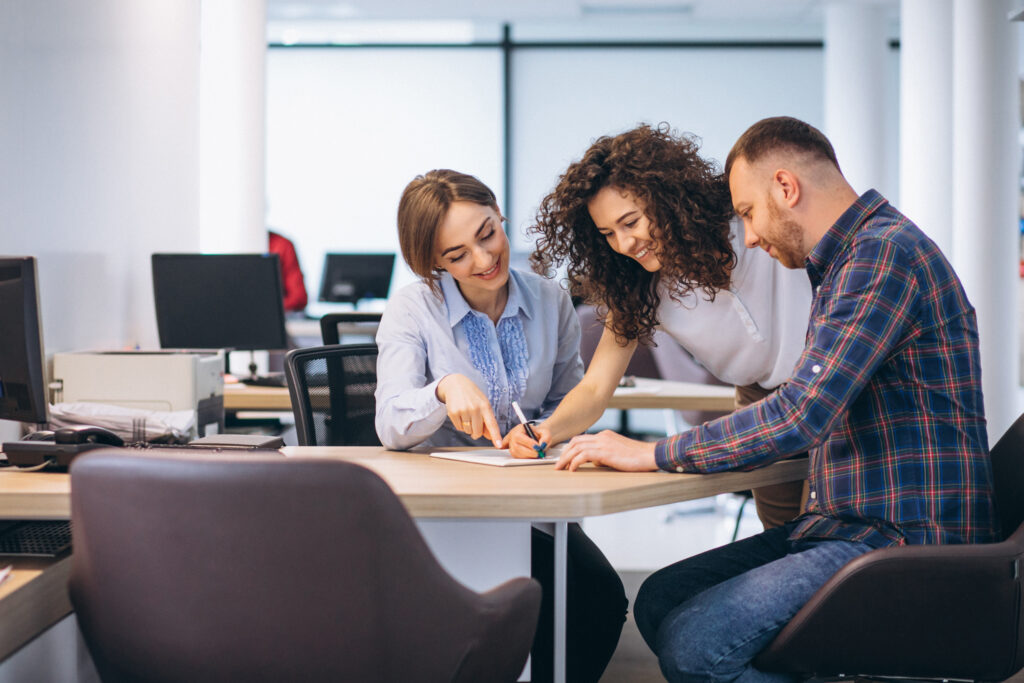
x,y
22,376
219,301
353,277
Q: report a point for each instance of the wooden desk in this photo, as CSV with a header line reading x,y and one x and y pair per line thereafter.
x,y
649,393
244,397
33,599
457,505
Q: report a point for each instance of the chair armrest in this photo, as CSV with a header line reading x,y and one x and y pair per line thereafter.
x,y
509,615
948,611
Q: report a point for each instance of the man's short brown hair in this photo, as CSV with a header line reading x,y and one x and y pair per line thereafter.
x,y
781,133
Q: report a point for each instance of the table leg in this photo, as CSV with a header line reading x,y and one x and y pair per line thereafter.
x,y
561,566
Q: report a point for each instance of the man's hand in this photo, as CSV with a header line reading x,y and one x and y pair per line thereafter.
x,y
468,408
608,449
520,445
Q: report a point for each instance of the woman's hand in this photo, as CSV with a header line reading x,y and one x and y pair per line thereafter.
x,y
468,408
520,445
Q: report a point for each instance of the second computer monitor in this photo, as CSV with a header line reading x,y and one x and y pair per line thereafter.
x,y
22,369
219,301
353,277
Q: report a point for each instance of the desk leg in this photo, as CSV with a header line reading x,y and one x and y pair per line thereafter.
x,y
561,579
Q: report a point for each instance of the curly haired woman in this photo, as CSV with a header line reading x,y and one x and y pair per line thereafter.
x,y
644,227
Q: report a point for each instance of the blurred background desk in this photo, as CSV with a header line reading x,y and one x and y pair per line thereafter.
x,y
648,393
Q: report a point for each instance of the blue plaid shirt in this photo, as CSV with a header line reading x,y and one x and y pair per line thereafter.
x,y
886,396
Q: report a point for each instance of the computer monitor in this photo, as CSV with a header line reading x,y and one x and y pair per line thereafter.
x,y
22,365
219,301
353,277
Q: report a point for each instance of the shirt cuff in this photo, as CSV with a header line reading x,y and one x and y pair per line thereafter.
x,y
663,456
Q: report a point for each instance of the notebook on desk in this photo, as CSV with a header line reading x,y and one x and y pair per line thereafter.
x,y
498,457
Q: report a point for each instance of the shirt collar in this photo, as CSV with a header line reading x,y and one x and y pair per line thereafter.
x,y
835,241
458,307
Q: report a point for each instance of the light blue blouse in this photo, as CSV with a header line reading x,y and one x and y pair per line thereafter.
x,y
423,337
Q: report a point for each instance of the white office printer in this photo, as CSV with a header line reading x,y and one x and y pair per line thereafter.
x,y
148,380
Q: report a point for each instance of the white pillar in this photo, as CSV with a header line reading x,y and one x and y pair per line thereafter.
x,y
232,124
926,117
986,152
856,46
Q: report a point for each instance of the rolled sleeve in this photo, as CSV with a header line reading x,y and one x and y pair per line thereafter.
x,y
857,319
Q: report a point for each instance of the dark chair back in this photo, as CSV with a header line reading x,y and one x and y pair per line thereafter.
x,y
329,324
332,390
1008,477
213,567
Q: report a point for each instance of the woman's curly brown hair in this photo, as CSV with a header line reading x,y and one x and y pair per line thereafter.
x,y
687,202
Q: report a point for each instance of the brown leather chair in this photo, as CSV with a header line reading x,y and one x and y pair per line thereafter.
x,y
934,611
203,567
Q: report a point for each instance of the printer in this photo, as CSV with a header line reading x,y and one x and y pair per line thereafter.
x,y
147,380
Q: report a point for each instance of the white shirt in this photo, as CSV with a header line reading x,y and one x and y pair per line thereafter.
x,y
422,338
755,331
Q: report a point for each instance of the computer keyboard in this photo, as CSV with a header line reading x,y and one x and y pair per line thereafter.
x,y
36,539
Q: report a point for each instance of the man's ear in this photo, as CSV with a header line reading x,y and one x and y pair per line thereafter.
x,y
786,186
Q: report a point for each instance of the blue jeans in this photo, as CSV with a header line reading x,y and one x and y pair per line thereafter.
x,y
708,616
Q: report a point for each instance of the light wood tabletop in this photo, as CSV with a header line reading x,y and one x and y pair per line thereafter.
x,y
432,487
32,599
648,393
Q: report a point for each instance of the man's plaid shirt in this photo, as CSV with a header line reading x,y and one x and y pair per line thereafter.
x,y
886,396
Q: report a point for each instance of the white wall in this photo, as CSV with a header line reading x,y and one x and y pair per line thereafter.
x,y
564,99
347,129
99,132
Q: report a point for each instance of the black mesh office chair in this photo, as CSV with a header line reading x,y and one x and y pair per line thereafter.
x,y
925,611
217,567
329,324
331,389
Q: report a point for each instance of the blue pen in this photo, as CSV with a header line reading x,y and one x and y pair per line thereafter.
x,y
529,428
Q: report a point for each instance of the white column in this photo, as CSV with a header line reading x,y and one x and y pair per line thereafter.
x,y
986,157
926,117
232,124
855,50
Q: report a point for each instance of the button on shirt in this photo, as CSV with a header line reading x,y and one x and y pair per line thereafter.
x,y
423,337
886,395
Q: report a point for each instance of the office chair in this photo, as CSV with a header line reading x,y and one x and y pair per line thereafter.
x,y
331,389
203,567
330,321
925,611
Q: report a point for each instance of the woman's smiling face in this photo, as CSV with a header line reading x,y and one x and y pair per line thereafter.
x,y
620,218
472,246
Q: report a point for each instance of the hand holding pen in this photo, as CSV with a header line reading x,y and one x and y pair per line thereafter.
x,y
538,445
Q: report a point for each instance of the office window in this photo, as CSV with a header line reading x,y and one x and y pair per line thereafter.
x,y
348,128
564,98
